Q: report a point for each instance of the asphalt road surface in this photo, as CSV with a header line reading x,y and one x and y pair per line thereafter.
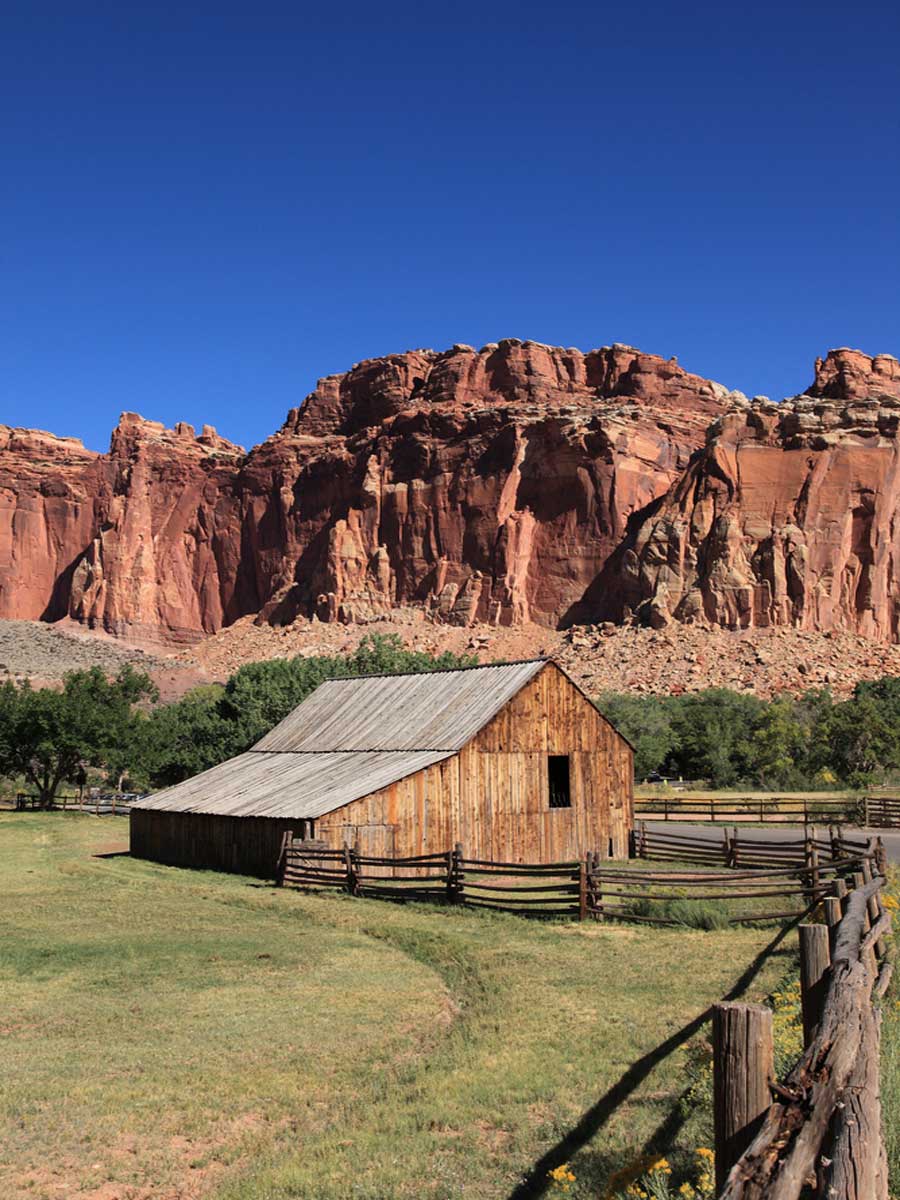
x,y
778,833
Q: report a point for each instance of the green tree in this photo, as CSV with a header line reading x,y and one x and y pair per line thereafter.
x,y
862,736
51,735
182,739
647,722
778,746
715,730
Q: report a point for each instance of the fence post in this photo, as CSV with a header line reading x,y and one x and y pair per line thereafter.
x,y
582,888
865,812
665,808
873,906
597,890
815,961
456,881
348,867
286,838
354,862
743,1068
880,857
833,914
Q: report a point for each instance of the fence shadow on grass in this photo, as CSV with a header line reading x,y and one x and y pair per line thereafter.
x,y
536,1182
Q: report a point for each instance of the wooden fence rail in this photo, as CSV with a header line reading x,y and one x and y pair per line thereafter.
x,y
734,850
108,804
871,811
821,1137
586,888
766,809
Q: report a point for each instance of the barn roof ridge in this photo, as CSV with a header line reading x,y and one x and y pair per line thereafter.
x,y
442,709
506,662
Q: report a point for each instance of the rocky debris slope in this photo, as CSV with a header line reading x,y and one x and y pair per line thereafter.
x,y
764,662
788,517
32,650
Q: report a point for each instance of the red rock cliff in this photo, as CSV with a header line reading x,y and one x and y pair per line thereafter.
x,y
517,482
787,517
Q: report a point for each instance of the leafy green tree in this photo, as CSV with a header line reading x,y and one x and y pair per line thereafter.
x,y
182,739
49,736
715,730
778,746
647,722
863,738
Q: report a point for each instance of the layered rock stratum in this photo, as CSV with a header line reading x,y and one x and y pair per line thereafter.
x,y
513,485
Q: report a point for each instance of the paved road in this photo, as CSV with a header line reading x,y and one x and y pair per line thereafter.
x,y
778,833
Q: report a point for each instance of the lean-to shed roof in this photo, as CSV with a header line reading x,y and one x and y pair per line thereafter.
x,y
257,784
439,710
349,738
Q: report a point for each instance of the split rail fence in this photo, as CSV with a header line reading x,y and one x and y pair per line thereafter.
x,y
108,804
871,811
756,889
818,1133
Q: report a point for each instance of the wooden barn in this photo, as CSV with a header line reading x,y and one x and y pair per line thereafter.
x,y
512,760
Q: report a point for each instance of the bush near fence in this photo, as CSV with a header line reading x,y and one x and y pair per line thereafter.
x,y
759,888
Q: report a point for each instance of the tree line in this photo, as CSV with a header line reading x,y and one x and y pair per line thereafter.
x,y
732,739
114,731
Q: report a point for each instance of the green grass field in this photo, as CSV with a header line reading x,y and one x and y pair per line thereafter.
x,y
176,1034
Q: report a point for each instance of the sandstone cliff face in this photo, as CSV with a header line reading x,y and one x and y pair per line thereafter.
x,y
787,517
140,541
481,485
517,482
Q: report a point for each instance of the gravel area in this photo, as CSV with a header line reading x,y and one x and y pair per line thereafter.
x,y
30,649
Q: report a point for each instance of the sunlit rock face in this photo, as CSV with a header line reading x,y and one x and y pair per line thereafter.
x,y
788,516
518,482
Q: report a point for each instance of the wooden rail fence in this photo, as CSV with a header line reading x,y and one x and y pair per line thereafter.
x,y
580,889
871,811
821,1135
108,804
732,850
766,808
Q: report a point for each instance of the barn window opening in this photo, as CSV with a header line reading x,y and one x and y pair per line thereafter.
x,y
558,779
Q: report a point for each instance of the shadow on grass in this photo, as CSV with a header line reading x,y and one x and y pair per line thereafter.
x,y
536,1182
113,854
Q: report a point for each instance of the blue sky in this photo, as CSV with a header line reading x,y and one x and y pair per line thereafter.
x,y
204,207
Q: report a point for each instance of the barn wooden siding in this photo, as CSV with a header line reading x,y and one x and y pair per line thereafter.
x,y
494,796
248,845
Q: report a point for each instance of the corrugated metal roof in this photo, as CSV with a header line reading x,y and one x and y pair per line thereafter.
x,y
257,784
439,710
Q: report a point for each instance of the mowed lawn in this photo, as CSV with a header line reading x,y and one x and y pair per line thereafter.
x,y
170,1033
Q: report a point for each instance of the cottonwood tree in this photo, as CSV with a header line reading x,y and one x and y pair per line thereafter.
x,y
49,736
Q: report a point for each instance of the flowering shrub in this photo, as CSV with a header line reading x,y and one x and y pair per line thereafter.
x,y
652,1179
560,1178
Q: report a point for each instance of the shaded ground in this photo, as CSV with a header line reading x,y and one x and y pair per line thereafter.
x,y
170,1034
